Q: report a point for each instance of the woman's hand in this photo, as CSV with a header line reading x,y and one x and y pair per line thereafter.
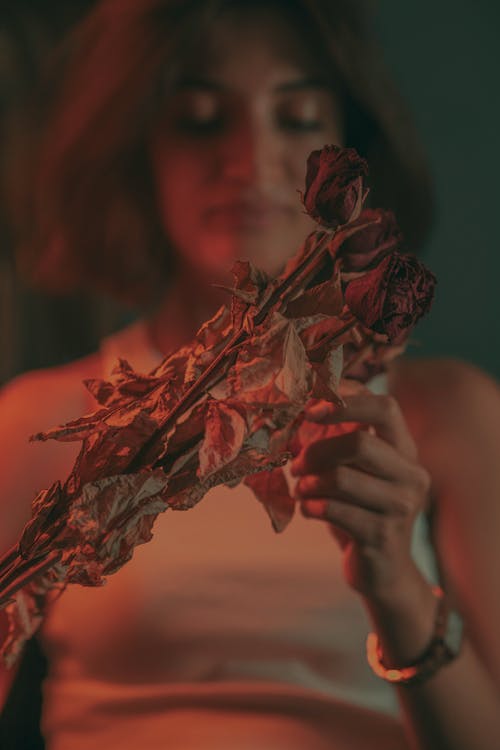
x,y
369,485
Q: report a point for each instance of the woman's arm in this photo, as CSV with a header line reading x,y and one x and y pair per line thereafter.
x,y
459,707
456,456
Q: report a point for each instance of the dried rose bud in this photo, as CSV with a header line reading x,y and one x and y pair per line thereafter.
x,y
334,185
366,248
393,296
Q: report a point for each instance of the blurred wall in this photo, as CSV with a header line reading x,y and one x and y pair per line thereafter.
x,y
444,55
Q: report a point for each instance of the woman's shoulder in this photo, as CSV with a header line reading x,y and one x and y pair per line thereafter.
x,y
30,403
87,366
452,408
444,390
52,389
458,445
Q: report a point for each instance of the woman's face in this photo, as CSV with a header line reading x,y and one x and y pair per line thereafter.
x,y
229,152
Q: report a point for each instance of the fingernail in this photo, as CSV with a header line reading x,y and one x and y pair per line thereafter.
x,y
313,508
318,411
321,411
297,467
305,485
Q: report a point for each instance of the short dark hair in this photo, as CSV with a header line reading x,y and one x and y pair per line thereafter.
x,y
93,219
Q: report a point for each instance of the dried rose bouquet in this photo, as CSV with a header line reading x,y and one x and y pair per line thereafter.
x,y
228,407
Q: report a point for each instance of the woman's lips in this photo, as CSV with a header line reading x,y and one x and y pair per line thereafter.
x,y
246,215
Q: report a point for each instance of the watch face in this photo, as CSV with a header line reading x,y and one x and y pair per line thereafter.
x,y
454,632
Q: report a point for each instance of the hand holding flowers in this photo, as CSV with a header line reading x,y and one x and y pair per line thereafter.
x,y
368,484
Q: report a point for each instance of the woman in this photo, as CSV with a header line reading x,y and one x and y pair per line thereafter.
x,y
197,119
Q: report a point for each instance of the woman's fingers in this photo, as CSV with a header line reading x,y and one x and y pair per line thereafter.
x,y
368,485
344,484
383,412
358,448
348,485
355,522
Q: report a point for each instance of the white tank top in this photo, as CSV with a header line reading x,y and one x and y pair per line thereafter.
x,y
218,634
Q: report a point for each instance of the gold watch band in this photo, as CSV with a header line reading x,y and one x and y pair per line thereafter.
x,y
435,656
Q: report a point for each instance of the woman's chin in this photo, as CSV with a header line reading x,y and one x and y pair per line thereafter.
x,y
221,251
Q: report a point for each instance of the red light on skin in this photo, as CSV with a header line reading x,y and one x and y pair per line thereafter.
x,y
374,656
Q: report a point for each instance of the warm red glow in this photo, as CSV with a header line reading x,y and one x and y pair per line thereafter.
x,y
374,656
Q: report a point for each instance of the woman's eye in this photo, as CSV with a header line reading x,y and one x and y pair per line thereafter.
x,y
198,113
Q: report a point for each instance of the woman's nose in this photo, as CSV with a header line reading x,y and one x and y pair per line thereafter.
x,y
249,153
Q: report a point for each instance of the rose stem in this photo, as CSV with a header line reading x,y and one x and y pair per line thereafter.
x,y
335,336
19,569
297,277
242,334
235,339
29,576
191,395
287,285
9,557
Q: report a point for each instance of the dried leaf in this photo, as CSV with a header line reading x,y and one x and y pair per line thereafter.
x,y
109,519
225,430
294,377
271,488
327,376
26,612
325,299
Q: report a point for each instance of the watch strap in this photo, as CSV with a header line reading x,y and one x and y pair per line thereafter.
x,y
436,655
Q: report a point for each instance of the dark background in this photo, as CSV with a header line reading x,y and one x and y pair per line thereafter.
x,y
445,58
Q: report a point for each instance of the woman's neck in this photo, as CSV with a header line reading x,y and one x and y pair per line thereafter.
x,y
187,304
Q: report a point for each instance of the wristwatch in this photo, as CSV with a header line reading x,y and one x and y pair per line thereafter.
x,y
443,648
